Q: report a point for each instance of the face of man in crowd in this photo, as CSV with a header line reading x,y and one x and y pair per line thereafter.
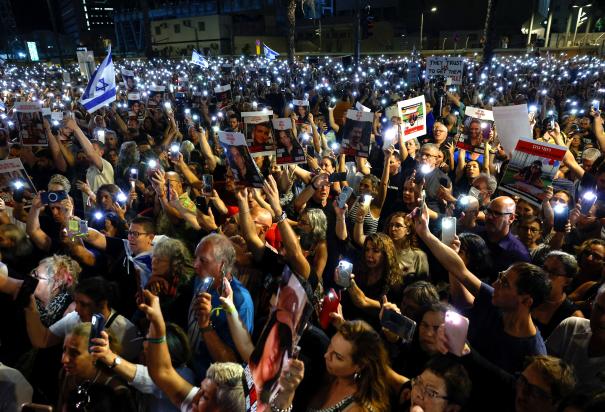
x,y
355,136
427,332
428,156
139,240
429,392
499,215
206,264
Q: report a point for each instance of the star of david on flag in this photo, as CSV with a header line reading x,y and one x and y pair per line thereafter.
x,y
269,53
101,89
198,58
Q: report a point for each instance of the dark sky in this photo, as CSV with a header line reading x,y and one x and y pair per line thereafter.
x,y
452,15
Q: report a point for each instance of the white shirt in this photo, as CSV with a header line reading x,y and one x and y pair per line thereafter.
x,y
121,328
96,178
569,341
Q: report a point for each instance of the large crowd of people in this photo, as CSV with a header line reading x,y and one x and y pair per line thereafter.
x,y
144,267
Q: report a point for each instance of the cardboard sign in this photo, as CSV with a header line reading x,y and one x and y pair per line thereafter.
x,y
129,81
446,66
476,129
513,123
288,149
245,171
30,124
532,169
224,97
259,133
357,132
413,119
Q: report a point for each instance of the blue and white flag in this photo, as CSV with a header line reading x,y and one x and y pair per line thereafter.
x,y
269,53
101,89
199,59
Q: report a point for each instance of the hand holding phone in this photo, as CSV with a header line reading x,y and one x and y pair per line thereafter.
x,y
207,185
342,274
344,196
561,217
399,324
97,326
456,329
329,305
448,230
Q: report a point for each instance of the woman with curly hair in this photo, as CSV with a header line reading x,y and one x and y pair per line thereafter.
x,y
313,227
376,274
357,375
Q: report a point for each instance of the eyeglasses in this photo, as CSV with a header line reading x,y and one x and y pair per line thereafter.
x,y
428,155
34,273
134,233
532,391
495,213
424,391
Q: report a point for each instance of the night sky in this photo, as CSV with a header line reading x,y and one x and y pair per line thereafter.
x,y
452,15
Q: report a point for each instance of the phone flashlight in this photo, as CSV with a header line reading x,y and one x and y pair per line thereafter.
x,y
446,224
559,208
425,169
152,163
174,148
291,106
98,215
18,185
196,118
366,200
167,105
121,197
533,109
590,195
334,146
187,111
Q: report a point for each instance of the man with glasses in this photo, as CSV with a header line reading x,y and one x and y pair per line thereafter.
x,y
501,328
127,259
505,247
581,343
426,168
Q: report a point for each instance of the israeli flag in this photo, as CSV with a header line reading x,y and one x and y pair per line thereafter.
x,y
101,89
269,53
199,59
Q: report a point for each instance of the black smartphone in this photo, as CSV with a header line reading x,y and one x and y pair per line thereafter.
x,y
168,189
399,324
207,185
54,196
202,203
561,217
27,289
97,326
337,177
311,150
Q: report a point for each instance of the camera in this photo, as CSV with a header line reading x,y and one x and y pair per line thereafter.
x,y
53,196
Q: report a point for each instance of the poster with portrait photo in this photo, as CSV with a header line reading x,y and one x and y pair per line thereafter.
x,y
156,96
280,335
245,171
224,96
30,124
357,132
413,119
531,169
476,128
301,110
11,172
288,149
129,80
259,133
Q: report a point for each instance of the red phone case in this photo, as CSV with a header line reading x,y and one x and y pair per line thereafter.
x,y
330,305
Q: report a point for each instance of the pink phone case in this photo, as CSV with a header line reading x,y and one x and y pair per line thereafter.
x,y
456,329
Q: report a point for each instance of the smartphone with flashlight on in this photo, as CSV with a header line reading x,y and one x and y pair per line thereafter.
x,y
207,185
344,196
448,230
421,203
342,274
456,329
587,200
561,217
174,152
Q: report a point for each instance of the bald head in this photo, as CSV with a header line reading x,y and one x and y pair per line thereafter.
x,y
262,219
500,214
503,204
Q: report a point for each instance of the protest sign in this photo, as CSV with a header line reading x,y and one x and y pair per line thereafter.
x,y
413,119
446,66
223,95
357,132
476,129
280,335
532,169
15,181
301,109
129,81
288,149
513,123
156,95
30,124
86,62
259,134
245,171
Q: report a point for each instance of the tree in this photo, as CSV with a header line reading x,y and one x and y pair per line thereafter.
x,y
291,16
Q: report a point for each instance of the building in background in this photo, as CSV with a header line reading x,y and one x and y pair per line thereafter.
x,y
88,22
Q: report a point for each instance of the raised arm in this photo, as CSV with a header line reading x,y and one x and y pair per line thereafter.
x,y
237,329
55,148
32,226
333,124
159,364
247,227
445,255
88,148
39,335
294,255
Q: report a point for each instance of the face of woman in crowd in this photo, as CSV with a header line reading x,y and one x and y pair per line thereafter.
x,y
559,198
374,257
557,275
410,145
429,392
409,195
105,200
76,360
326,166
397,228
205,399
591,259
160,266
237,157
284,139
365,188
528,232
339,361
472,170
304,224
427,332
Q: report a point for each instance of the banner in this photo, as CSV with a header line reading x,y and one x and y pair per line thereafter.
x,y
476,129
288,149
129,81
259,134
532,169
30,124
513,123
446,66
101,89
357,132
13,178
241,163
413,119
279,337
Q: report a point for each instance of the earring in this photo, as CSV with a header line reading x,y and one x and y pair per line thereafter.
x,y
356,376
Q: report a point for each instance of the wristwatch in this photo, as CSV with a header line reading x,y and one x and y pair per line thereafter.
x,y
116,362
208,328
280,218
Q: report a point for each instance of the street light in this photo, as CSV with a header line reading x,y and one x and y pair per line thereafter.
x,y
579,19
432,10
